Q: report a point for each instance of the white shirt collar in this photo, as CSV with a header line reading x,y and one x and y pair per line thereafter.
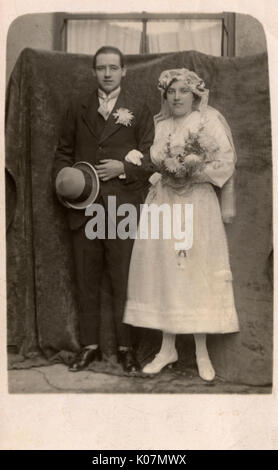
x,y
114,94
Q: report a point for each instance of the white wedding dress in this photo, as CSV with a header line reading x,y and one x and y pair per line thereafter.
x,y
193,294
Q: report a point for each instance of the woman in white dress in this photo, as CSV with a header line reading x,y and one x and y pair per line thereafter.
x,y
186,291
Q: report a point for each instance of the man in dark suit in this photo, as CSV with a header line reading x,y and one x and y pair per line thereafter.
x,y
103,130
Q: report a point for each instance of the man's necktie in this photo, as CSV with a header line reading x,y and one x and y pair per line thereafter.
x,y
104,108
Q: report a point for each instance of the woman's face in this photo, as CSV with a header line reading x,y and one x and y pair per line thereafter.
x,y
179,98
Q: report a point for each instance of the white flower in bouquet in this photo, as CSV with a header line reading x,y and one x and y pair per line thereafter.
x,y
176,150
193,159
172,164
208,142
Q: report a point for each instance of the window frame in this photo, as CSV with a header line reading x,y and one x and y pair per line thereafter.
x,y
227,18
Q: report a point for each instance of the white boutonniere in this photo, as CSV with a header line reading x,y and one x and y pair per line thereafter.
x,y
123,116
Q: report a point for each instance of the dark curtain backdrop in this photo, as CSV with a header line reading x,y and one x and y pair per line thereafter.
x,y
42,312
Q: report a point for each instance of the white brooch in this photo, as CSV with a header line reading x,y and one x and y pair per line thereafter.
x,y
123,116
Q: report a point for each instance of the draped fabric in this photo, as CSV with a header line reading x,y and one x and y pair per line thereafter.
x,y
42,311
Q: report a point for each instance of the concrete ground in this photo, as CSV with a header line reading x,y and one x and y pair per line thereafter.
x,y
57,379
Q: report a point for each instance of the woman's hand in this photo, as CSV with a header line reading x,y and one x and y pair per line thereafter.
x,y
108,169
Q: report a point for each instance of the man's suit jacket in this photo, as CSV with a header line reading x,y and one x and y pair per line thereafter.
x,y
81,141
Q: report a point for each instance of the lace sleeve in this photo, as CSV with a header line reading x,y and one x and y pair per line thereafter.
x,y
221,169
157,150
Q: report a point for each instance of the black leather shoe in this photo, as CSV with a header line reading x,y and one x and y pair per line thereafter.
x,y
85,357
128,360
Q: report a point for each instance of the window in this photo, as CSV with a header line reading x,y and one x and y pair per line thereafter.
x,y
170,36
144,33
87,36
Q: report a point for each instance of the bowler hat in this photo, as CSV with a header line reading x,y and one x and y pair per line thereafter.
x,y
77,186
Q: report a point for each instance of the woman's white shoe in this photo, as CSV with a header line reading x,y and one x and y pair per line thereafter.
x,y
161,360
205,368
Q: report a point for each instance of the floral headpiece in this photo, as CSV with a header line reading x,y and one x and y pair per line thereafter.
x,y
190,79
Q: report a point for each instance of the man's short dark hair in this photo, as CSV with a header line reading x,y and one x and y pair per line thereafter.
x,y
109,50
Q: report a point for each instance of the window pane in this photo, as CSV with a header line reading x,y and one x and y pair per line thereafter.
x,y
183,35
86,36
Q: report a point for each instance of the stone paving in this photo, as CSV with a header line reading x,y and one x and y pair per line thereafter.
x,y
57,379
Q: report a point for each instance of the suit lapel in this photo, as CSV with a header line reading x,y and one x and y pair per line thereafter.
x,y
111,126
89,115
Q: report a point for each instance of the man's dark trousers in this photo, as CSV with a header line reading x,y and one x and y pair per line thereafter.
x,y
92,258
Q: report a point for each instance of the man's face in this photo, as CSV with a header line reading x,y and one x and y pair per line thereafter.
x,y
109,72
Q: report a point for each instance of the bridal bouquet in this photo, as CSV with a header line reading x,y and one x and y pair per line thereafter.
x,y
181,162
